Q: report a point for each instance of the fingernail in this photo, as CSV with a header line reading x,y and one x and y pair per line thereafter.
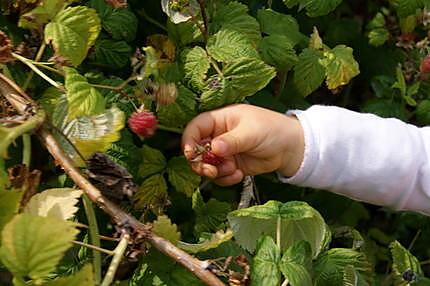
x,y
188,151
219,147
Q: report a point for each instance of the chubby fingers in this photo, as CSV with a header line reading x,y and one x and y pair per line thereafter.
x,y
202,126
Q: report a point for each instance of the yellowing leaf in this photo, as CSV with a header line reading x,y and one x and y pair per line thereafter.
x,y
55,203
9,205
96,133
164,227
196,65
32,246
41,15
83,99
72,32
340,66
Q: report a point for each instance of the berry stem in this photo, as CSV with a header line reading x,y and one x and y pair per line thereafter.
x,y
170,129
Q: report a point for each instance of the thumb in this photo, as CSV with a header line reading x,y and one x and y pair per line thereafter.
x,y
231,143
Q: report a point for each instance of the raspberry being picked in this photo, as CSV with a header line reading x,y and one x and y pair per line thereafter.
x,y
143,123
425,65
204,153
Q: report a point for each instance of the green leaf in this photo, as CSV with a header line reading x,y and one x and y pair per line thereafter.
x,y
309,74
423,112
164,227
152,193
121,24
330,266
96,133
42,14
210,216
352,277
265,266
234,16
4,180
73,32
184,33
298,221
277,51
82,278
177,13
235,85
157,269
405,8
296,264
180,112
9,204
378,33
83,99
181,176
403,261
315,8
55,203
274,23
111,54
153,161
340,66
228,45
28,246
196,65
213,241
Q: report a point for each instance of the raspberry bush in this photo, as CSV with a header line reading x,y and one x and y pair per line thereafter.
x,y
94,189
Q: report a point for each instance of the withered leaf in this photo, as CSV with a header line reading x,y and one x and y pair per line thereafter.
x,y
113,180
6,49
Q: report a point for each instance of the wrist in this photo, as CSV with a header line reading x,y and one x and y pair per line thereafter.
x,y
293,153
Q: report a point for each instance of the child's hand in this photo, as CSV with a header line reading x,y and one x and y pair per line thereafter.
x,y
251,139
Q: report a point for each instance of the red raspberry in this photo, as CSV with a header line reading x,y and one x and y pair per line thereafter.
x,y
210,158
143,123
425,65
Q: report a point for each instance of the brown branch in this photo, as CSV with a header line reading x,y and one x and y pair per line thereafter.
x,y
199,268
204,16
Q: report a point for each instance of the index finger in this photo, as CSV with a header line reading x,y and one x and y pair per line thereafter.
x,y
202,126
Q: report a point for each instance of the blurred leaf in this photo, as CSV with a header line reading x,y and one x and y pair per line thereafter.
x,y
210,216
213,241
178,14
121,24
111,54
164,227
73,32
32,246
83,99
298,221
184,33
9,204
265,267
152,193
277,51
181,176
403,261
55,203
423,112
385,108
407,7
277,24
153,161
196,65
296,264
95,133
340,66
42,14
234,16
330,266
228,45
309,74
315,8
82,278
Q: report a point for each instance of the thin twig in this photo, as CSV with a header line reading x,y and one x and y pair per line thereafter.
x,y
151,20
26,150
170,129
116,259
93,231
247,194
204,16
93,247
119,216
37,58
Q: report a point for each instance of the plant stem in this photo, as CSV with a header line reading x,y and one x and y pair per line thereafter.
x,y
216,67
93,247
94,237
26,149
278,232
117,88
269,4
171,129
285,283
151,20
36,70
116,259
204,16
38,57
42,65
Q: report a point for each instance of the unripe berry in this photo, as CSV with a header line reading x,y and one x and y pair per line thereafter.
x,y
425,65
143,123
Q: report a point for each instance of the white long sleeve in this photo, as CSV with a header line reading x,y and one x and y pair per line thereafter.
x,y
365,157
